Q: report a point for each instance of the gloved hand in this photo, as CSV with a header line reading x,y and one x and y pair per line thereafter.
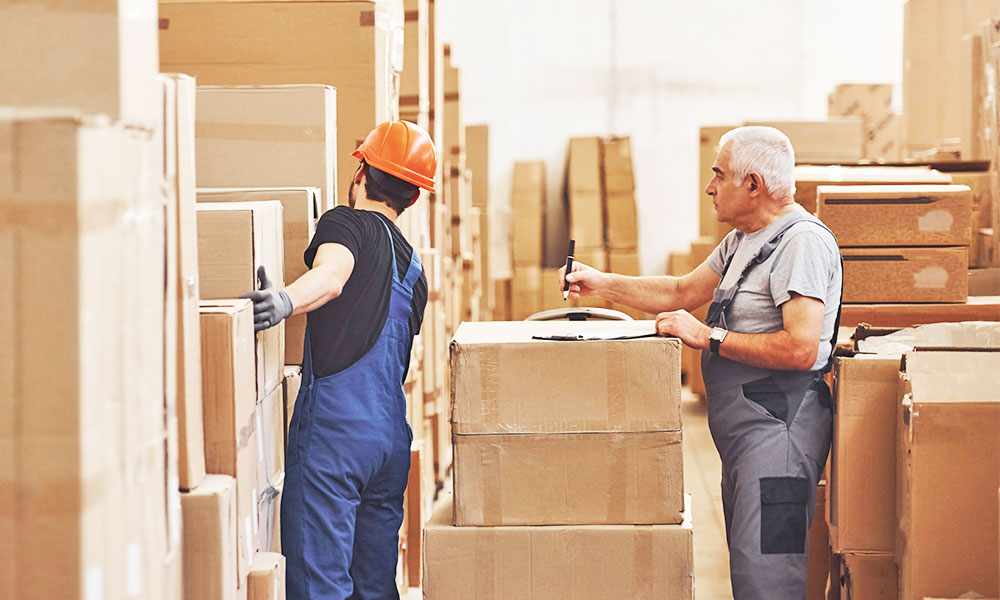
x,y
270,306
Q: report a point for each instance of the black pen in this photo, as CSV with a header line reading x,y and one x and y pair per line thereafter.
x,y
569,268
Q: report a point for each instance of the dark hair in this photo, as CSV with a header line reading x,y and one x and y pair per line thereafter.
x,y
390,190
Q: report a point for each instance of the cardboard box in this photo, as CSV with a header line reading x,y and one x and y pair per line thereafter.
x,y
810,177
624,262
623,222
949,416
619,196
269,516
415,80
210,539
267,577
818,570
679,264
454,125
477,139
271,436
972,90
906,274
984,282
290,385
897,215
273,136
229,397
551,293
600,562
300,209
234,239
105,61
585,189
868,575
355,47
985,308
499,373
526,291
873,103
708,149
419,501
527,208
837,139
616,155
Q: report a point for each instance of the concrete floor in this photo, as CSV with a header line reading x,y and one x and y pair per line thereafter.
x,y
702,474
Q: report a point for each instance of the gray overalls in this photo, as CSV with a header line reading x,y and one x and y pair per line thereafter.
x,y
773,431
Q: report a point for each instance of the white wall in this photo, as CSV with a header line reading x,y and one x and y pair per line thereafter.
x,y
541,71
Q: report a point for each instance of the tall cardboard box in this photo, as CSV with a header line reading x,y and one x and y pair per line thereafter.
x,y
810,177
585,190
268,136
837,139
355,47
454,125
948,454
868,575
906,274
526,294
100,58
230,418
234,240
625,262
608,453
210,539
708,149
270,427
600,562
415,80
619,194
477,139
300,210
267,577
527,208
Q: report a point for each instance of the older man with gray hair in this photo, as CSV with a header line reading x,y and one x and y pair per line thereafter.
x,y
774,284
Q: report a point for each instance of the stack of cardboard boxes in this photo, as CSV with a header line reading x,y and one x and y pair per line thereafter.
x,y
600,457
528,208
880,123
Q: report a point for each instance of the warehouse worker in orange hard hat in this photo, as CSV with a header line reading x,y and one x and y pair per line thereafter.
x,y
348,455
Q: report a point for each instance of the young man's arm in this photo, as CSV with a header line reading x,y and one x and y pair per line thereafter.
x,y
331,269
648,294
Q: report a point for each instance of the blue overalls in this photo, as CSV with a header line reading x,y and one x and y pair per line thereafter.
x,y
348,460
773,430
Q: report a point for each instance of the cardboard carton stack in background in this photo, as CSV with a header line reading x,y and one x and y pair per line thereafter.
x,y
622,223
596,465
527,208
477,138
880,124
585,210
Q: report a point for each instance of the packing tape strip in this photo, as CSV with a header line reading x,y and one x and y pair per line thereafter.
x,y
491,458
487,363
261,132
644,567
617,495
411,15
616,384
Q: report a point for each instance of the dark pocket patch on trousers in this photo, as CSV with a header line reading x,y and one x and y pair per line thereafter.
x,y
766,393
783,515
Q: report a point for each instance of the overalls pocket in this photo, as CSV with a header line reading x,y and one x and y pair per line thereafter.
x,y
783,514
766,394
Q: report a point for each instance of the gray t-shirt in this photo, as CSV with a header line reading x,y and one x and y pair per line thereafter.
x,y
806,261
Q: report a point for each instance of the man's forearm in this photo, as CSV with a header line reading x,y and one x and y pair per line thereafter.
x,y
648,294
779,350
314,289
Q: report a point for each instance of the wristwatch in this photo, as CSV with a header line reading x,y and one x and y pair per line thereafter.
x,y
718,334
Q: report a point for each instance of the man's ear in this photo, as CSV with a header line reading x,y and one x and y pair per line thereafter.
x,y
754,182
413,200
359,173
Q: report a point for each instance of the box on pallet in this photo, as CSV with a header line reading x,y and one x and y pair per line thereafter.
x,y
604,561
234,240
810,177
948,452
356,47
565,460
906,274
300,209
268,136
897,215
210,539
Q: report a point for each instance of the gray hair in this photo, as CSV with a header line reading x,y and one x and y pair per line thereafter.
x,y
766,152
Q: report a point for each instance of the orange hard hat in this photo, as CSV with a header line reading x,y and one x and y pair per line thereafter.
x,y
403,150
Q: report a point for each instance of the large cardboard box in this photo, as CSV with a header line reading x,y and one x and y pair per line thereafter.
x,y
983,308
837,139
300,209
355,47
267,577
619,196
708,149
415,80
527,208
210,539
234,240
948,451
810,177
897,215
526,291
868,575
229,398
585,190
906,274
599,562
267,137
99,58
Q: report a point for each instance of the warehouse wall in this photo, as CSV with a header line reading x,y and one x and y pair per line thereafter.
x,y
541,72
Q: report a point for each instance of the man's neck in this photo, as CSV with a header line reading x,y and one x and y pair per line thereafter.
x,y
375,206
765,218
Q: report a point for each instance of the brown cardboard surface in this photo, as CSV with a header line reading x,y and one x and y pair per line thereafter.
x,y
499,375
290,387
616,153
818,569
873,103
897,215
526,291
415,80
905,274
708,149
552,297
599,562
622,221
234,239
984,308
210,539
300,209
267,577
106,61
453,148
625,262
868,575
269,516
271,437
585,189
568,478
419,500
809,177
679,264
863,455
268,136
948,455
351,47
527,208
477,138
984,282
837,139
972,90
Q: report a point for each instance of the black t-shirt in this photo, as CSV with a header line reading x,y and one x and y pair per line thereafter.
x,y
344,329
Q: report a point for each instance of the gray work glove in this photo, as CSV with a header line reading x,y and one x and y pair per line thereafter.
x,y
270,306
